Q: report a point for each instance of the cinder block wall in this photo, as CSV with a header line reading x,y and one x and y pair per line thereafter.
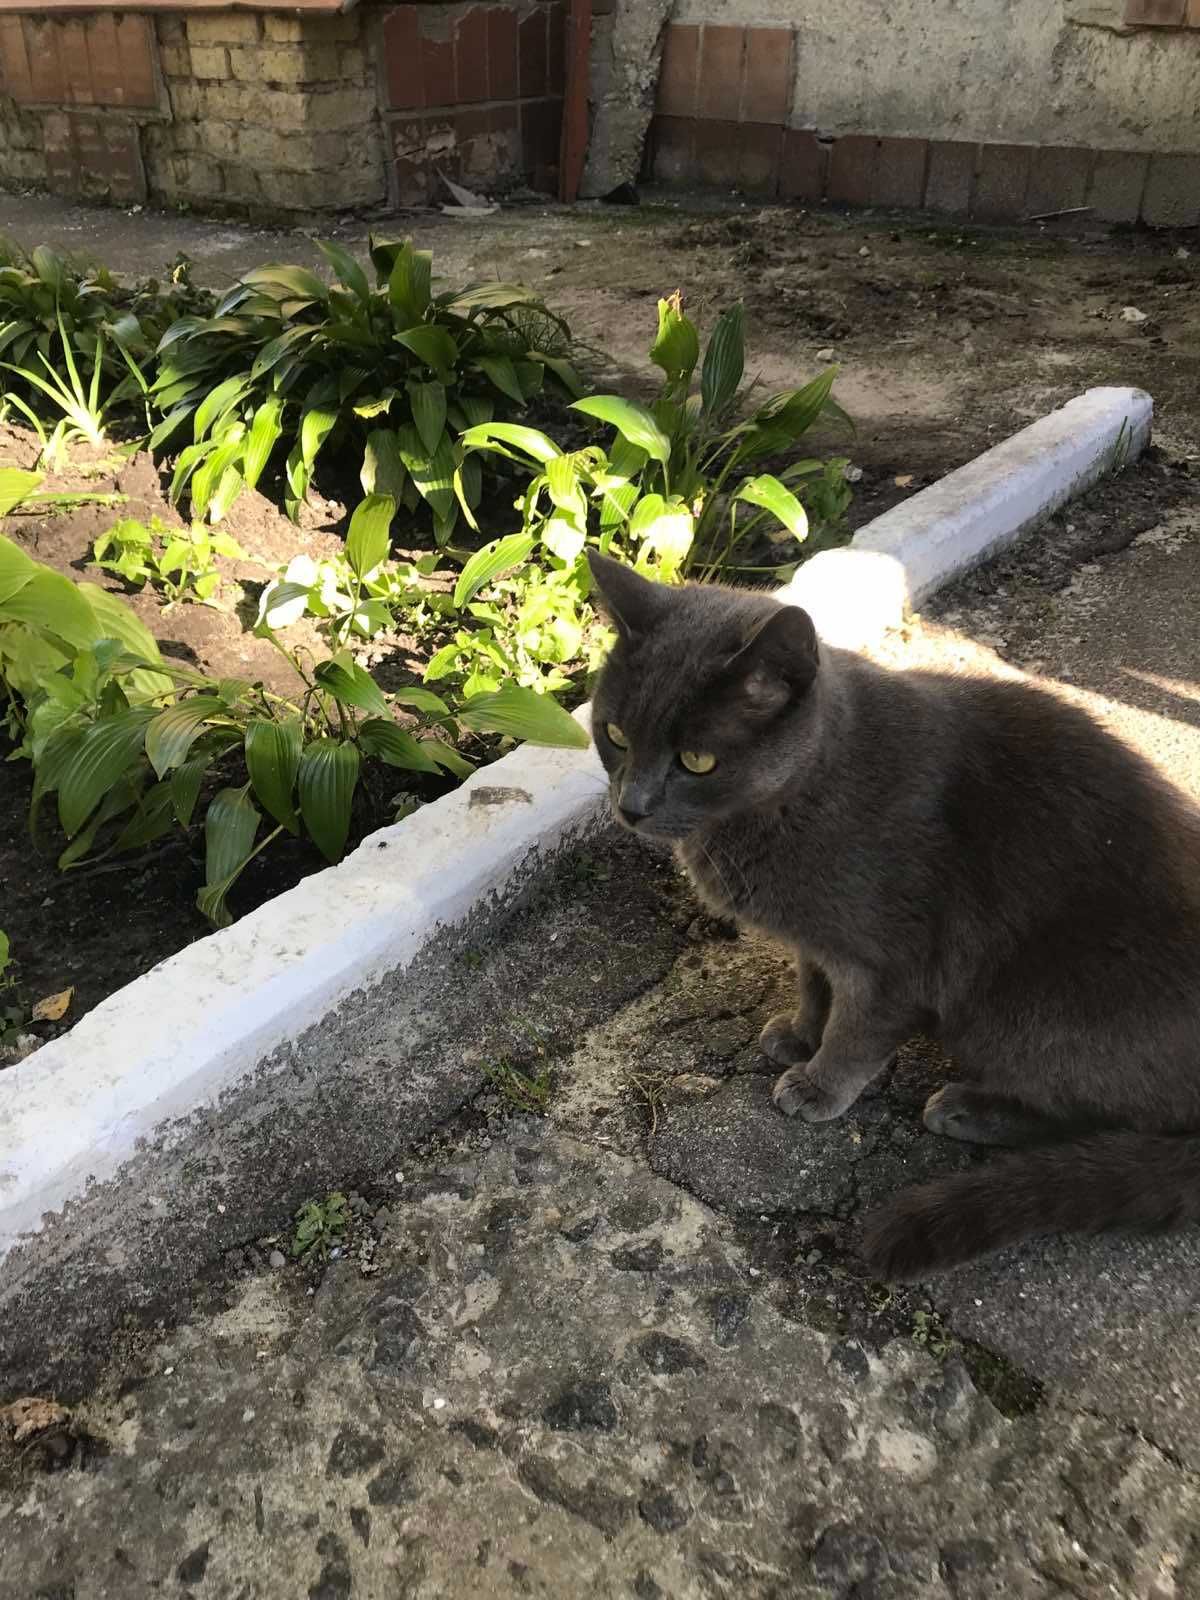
x,y
260,112
993,109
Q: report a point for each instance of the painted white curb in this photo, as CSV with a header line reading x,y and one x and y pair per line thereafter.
x,y
175,1039
902,557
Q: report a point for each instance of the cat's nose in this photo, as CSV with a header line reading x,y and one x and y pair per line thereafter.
x,y
633,804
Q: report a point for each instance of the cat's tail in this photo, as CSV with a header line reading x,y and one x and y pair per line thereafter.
x,y
1111,1180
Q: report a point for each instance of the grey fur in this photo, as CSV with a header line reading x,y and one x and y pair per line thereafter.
x,y
969,857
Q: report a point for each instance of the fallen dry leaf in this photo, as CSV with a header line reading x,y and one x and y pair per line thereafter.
x,y
903,481
32,1415
53,1006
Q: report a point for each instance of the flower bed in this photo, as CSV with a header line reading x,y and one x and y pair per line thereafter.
x,y
247,664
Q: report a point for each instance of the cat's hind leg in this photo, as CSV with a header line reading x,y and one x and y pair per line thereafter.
x,y
977,1116
791,1038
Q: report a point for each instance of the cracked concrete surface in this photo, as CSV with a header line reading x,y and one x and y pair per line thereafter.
x,y
625,1348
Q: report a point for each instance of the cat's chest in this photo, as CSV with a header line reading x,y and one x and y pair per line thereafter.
x,y
739,872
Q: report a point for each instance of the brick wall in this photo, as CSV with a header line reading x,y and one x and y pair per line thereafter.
x,y
252,112
725,113
475,92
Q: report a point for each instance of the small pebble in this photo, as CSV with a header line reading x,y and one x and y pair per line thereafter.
x,y
277,1258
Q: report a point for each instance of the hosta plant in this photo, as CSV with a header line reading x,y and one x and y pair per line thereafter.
x,y
128,743
388,373
676,492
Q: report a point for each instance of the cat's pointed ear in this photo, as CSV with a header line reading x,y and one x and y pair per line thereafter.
x,y
778,661
633,602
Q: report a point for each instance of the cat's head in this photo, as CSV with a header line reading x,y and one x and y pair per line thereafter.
x,y
705,705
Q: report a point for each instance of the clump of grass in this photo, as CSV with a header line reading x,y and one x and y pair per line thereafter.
x,y
320,1224
517,1088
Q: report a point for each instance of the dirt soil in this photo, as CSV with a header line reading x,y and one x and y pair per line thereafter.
x,y
947,339
106,922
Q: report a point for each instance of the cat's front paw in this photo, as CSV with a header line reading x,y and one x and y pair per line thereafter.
x,y
798,1095
784,1040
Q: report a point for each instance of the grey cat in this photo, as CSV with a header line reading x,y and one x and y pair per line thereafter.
x,y
965,857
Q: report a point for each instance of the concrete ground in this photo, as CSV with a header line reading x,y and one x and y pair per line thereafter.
x,y
624,1347
600,1329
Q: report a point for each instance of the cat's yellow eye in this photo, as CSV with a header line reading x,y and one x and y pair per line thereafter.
x,y
617,737
698,761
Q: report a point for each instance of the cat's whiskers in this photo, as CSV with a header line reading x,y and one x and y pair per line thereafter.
x,y
721,878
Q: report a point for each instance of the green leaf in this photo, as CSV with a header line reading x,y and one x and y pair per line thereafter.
x,y
171,735
229,829
16,486
724,362
565,373
328,775
53,603
16,569
676,348
4,952
107,749
524,714
382,468
113,619
501,372
831,411
347,269
273,761
490,562
432,476
264,436
229,486
429,412
380,737
49,266
299,282
432,345
422,700
207,478
153,817
409,283
185,784
369,538
118,799
528,440
664,528
216,402
448,757
273,352
315,427
491,297
564,538
767,492
352,685
632,422
169,426
793,413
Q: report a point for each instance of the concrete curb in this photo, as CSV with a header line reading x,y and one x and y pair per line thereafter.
x,y
902,557
176,1039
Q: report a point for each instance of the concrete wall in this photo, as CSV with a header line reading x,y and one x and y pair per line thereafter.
x,y
997,71
983,86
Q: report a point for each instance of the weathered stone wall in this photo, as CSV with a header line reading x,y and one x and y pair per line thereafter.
x,y
260,112
266,110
